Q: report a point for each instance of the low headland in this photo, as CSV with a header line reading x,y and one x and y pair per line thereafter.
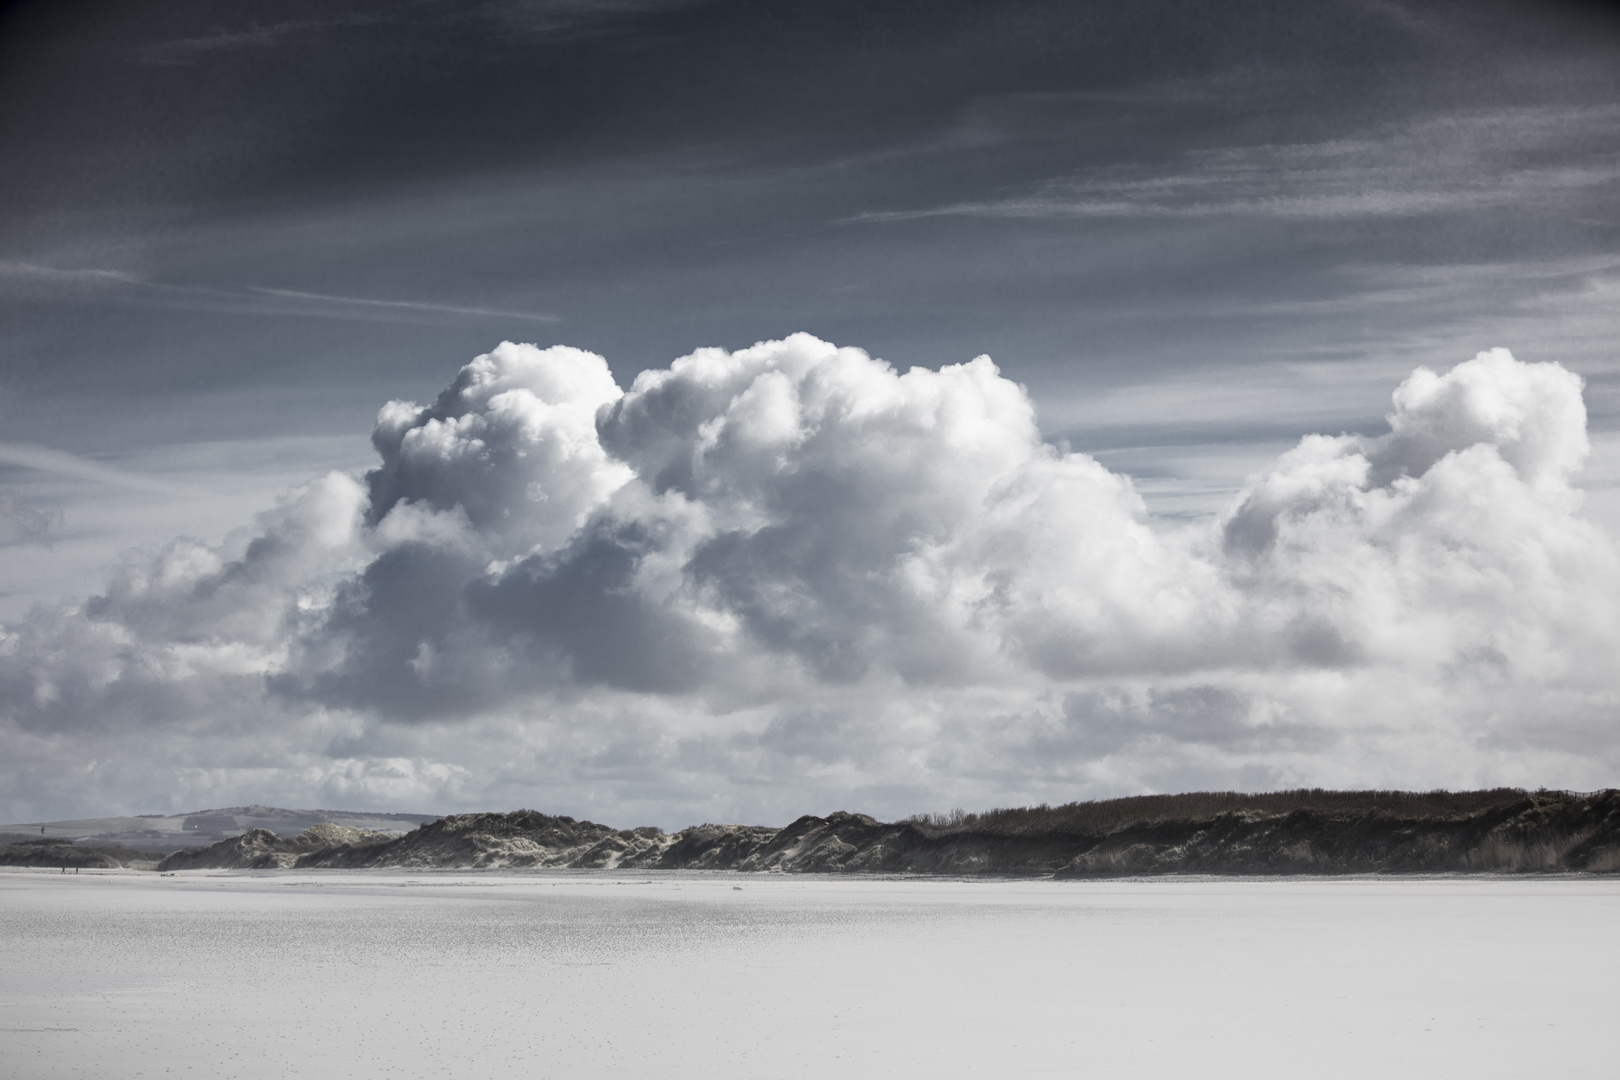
x,y
1504,830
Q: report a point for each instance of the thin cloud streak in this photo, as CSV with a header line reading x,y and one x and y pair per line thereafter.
x,y
1425,167
518,16
1388,286
254,36
30,272
45,459
413,305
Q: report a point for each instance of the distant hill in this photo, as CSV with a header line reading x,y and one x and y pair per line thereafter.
x,y
1295,832
167,832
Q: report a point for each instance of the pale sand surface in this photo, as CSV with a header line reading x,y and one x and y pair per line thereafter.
x,y
568,974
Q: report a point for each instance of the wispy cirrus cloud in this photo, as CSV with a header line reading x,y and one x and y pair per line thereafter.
x,y
254,299
23,271
406,305
1490,159
62,463
511,16
252,36
1538,283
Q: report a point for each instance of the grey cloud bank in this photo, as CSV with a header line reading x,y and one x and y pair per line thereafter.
x,y
761,581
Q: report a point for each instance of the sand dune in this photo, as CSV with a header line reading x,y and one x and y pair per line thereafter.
x,y
1307,832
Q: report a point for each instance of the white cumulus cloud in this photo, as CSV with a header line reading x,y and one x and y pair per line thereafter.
x,y
787,577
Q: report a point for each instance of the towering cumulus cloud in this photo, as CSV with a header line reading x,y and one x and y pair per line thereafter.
x,y
777,579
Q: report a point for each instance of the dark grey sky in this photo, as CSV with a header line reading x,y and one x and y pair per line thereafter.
x,y
1195,231
1099,195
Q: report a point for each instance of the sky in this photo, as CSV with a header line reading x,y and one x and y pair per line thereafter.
x,y
663,411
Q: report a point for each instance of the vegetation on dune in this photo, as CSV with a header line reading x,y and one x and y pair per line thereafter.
x,y
1308,831
1106,815
17,850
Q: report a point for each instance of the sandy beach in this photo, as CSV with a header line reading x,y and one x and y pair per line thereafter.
x,y
710,975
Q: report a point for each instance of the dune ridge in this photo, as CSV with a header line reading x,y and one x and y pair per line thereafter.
x,y
1298,832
